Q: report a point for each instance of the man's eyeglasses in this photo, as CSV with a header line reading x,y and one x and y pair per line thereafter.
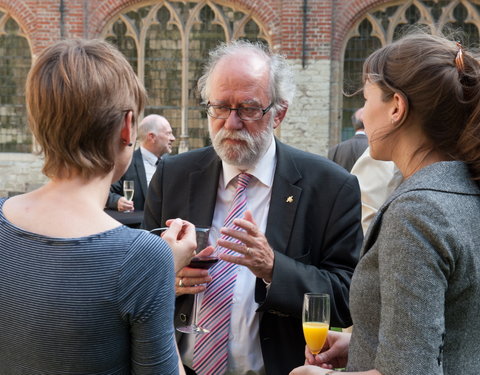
x,y
245,113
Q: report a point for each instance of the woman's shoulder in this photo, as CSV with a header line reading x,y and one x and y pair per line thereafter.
x,y
146,250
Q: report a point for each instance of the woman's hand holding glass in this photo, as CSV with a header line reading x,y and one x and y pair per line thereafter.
x,y
334,353
181,237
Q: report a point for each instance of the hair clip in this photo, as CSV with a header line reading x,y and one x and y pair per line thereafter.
x,y
459,58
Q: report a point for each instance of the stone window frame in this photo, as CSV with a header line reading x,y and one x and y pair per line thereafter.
x,y
25,134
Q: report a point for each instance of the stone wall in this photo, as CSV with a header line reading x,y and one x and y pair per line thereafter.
x,y
20,173
306,125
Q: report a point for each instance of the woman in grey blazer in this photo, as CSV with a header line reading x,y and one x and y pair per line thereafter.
x,y
415,293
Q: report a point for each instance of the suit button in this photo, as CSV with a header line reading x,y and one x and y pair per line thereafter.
x,y
183,317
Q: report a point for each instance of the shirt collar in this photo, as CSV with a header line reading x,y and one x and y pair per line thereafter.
x,y
263,171
150,157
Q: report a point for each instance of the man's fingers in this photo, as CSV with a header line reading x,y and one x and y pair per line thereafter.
x,y
234,259
240,248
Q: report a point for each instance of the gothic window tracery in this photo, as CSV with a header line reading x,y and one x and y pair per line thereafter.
x,y
385,23
167,43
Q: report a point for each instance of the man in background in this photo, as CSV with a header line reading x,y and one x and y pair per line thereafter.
x,y
156,139
296,221
347,152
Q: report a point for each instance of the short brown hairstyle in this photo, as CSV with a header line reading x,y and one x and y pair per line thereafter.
x,y
78,93
441,93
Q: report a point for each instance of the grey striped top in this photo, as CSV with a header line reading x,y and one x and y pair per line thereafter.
x,y
101,304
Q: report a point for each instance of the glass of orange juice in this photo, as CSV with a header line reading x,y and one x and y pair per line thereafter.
x,y
315,320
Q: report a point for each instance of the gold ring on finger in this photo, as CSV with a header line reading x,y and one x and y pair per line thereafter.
x,y
180,283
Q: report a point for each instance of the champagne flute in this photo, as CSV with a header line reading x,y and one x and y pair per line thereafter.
x,y
315,320
128,190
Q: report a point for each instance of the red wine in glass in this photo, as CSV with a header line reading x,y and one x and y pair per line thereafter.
x,y
203,262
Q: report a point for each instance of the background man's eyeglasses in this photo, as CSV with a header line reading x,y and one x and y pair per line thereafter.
x,y
245,113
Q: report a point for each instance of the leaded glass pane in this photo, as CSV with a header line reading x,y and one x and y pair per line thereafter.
x,y
125,43
163,69
467,32
251,32
358,48
203,37
412,14
15,61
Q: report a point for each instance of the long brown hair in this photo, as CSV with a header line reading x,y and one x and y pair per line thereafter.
x,y
441,84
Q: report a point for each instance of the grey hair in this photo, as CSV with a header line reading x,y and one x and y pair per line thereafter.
x,y
282,81
150,124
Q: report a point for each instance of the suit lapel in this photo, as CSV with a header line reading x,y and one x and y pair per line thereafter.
x,y
284,201
140,167
203,184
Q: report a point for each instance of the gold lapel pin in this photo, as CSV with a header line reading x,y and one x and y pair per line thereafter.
x,y
289,199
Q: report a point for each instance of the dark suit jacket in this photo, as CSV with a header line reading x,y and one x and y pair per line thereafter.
x,y
316,238
136,173
347,152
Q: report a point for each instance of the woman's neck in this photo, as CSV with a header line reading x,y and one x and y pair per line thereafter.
x,y
413,152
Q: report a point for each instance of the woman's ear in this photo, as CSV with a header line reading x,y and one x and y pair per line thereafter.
x,y
127,133
399,109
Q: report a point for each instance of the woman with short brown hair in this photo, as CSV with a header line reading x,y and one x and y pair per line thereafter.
x,y
81,293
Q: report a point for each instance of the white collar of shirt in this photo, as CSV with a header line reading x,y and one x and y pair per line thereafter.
x,y
148,156
263,171
360,132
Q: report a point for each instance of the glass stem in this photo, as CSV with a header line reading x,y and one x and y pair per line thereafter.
x,y
195,308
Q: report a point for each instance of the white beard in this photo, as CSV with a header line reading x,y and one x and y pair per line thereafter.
x,y
245,153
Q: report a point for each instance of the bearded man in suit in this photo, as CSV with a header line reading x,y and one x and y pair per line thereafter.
x,y
301,231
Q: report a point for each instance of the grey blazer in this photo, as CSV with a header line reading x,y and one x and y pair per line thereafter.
x,y
415,293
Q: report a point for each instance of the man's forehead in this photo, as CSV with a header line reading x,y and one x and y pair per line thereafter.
x,y
249,61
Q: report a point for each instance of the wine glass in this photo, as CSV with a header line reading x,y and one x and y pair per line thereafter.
x,y
315,320
128,190
204,262
203,235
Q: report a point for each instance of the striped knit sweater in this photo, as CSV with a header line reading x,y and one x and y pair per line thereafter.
x,y
101,304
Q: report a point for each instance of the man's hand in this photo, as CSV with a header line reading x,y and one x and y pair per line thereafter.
x,y
258,256
124,205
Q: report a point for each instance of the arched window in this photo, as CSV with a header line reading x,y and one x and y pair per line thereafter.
x,y
386,23
15,61
167,43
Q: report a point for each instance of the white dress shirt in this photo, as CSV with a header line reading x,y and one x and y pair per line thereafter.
x,y
377,180
245,354
149,162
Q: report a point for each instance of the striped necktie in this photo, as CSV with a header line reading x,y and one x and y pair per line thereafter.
x,y
211,349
